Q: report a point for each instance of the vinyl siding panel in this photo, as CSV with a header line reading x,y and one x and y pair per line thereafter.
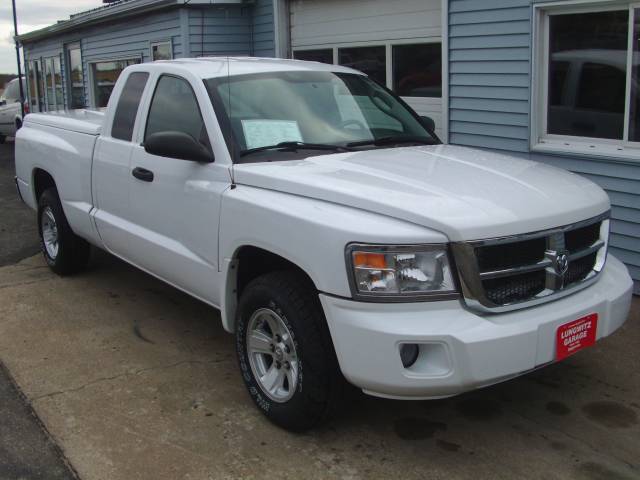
x,y
489,95
263,41
220,31
489,56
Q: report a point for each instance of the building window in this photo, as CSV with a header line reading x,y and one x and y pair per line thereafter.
x,y
53,83
34,80
104,76
76,78
587,80
161,50
37,94
324,55
369,60
417,70
634,107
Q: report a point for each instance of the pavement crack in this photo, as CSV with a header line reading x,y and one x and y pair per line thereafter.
x,y
122,375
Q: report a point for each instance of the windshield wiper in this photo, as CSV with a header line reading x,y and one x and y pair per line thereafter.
x,y
297,146
396,139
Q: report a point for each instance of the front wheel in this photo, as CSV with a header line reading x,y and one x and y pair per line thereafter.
x,y
285,351
63,250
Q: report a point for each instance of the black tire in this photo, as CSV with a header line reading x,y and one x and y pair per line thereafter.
x,y
320,385
73,251
18,124
2,139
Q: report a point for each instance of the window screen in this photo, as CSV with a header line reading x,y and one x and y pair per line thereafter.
x,y
125,116
174,108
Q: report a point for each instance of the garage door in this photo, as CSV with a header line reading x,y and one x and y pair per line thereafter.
x,y
397,42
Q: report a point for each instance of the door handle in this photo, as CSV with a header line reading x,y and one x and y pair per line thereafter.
x,y
142,174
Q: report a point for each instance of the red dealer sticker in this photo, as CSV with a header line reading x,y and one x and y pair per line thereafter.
x,y
574,336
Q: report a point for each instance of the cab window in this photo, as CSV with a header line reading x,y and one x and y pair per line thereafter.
x,y
174,108
128,104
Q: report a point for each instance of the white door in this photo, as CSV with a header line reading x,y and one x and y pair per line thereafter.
x,y
398,43
175,203
111,175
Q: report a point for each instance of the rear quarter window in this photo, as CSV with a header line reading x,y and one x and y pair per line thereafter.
x,y
128,104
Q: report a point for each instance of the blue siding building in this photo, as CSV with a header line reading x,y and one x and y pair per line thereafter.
x,y
553,81
75,62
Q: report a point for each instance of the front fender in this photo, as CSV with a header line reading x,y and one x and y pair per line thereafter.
x,y
310,233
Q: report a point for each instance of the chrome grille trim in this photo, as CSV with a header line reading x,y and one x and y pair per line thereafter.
x,y
472,277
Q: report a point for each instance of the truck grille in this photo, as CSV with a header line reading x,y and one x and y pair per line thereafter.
x,y
506,273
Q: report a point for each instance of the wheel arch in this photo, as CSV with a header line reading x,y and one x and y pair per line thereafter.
x,y
247,263
41,180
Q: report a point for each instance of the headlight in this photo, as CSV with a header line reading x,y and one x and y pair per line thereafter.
x,y
400,273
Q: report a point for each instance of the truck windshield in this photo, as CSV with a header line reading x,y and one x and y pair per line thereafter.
x,y
274,114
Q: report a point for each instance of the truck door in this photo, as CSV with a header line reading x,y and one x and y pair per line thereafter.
x,y
111,177
175,204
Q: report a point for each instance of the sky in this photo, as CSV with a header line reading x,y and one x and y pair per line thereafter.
x,y
32,15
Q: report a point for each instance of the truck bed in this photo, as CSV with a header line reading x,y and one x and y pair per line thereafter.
x,y
61,144
87,121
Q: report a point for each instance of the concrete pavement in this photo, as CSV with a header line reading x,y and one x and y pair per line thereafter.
x,y
137,380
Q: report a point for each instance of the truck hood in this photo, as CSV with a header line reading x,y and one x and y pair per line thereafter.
x,y
464,193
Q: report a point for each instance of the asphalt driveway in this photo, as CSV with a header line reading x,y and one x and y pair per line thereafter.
x,y
134,379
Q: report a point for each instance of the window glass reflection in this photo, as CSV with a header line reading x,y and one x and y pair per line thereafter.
x,y
417,70
587,74
369,60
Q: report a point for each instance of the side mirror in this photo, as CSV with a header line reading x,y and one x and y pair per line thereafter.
x,y
177,145
428,123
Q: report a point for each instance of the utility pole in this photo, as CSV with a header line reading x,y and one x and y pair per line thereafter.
x,y
15,38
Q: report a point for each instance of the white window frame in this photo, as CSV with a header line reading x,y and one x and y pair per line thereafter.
x,y
540,140
162,41
90,66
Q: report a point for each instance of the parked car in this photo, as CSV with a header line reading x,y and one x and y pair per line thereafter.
x,y
10,109
338,237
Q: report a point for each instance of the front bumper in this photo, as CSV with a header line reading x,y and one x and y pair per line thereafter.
x,y
461,350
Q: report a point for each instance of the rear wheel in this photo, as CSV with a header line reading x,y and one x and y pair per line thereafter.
x,y
285,351
63,250
2,139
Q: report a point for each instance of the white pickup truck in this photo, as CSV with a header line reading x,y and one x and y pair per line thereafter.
x,y
334,232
